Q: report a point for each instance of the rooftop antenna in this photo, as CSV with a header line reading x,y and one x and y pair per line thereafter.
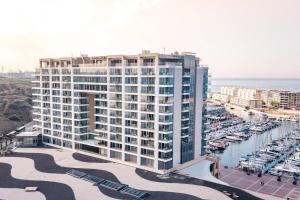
x,y
82,59
164,50
72,59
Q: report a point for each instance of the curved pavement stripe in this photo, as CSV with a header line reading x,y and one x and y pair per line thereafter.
x,y
83,158
51,190
130,177
45,163
23,169
151,176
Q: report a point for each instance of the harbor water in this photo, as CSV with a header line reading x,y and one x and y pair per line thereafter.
x,y
231,155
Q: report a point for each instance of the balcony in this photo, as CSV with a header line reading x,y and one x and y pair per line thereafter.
x,y
165,109
165,137
116,137
117,121
130,140
116,97
147,143
102,143
115,64
148,72
116,113
129,148
116,130
131,98
166,118
148,99
131,72
130,106
148,63
166,71
131,132
166,81
165,156
131,89
101,127
165,128
147,117
131,115
147,125
131,64
166,63
165,146
147,152
116,146
147,108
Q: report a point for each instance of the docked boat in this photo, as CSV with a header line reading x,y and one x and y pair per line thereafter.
x,y
234,138
294,120
256,129
286,170
273,154
251,113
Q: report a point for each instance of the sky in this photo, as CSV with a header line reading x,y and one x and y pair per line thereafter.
x,y
236,38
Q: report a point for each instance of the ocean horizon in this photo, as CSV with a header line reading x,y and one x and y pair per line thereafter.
x,y
290,84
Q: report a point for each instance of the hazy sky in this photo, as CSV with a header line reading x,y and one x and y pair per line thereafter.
x,y
237,38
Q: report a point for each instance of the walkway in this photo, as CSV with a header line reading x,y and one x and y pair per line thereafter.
x,y
201,170
284,189
48,166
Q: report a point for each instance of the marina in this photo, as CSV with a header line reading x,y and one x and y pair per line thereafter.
x,y
267,161
275,152
225,128
244,138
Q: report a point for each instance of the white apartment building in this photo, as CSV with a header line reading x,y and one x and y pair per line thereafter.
x,y
243,93
229,90
245,97
144,110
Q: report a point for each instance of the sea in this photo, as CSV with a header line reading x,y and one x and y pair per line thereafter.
x,y
260,83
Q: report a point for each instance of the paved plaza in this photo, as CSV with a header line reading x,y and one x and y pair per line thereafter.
x,y
284,189
46,168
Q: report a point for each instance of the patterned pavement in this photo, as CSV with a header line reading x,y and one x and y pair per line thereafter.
x,y
284,189
47,167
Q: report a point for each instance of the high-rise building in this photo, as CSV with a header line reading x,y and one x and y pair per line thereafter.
x,y
144,110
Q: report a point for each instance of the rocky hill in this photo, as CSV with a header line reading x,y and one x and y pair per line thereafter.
x,y
15,103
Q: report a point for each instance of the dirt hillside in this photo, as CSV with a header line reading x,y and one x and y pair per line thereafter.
x,y
15,103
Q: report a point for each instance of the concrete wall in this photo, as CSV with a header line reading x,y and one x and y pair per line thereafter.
x,y
198,110
177,116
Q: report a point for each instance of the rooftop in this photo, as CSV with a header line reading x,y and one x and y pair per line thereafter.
x,y
146,57
27,134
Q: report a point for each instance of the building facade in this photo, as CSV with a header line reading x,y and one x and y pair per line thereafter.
x,y
281,99
144,110
245,97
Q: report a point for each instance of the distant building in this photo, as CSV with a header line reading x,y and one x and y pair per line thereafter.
x,y
230,91
256,98
281,99
29,139
245,97
27,75
251,103
220,97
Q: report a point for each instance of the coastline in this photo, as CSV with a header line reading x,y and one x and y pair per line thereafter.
x,y
285,116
